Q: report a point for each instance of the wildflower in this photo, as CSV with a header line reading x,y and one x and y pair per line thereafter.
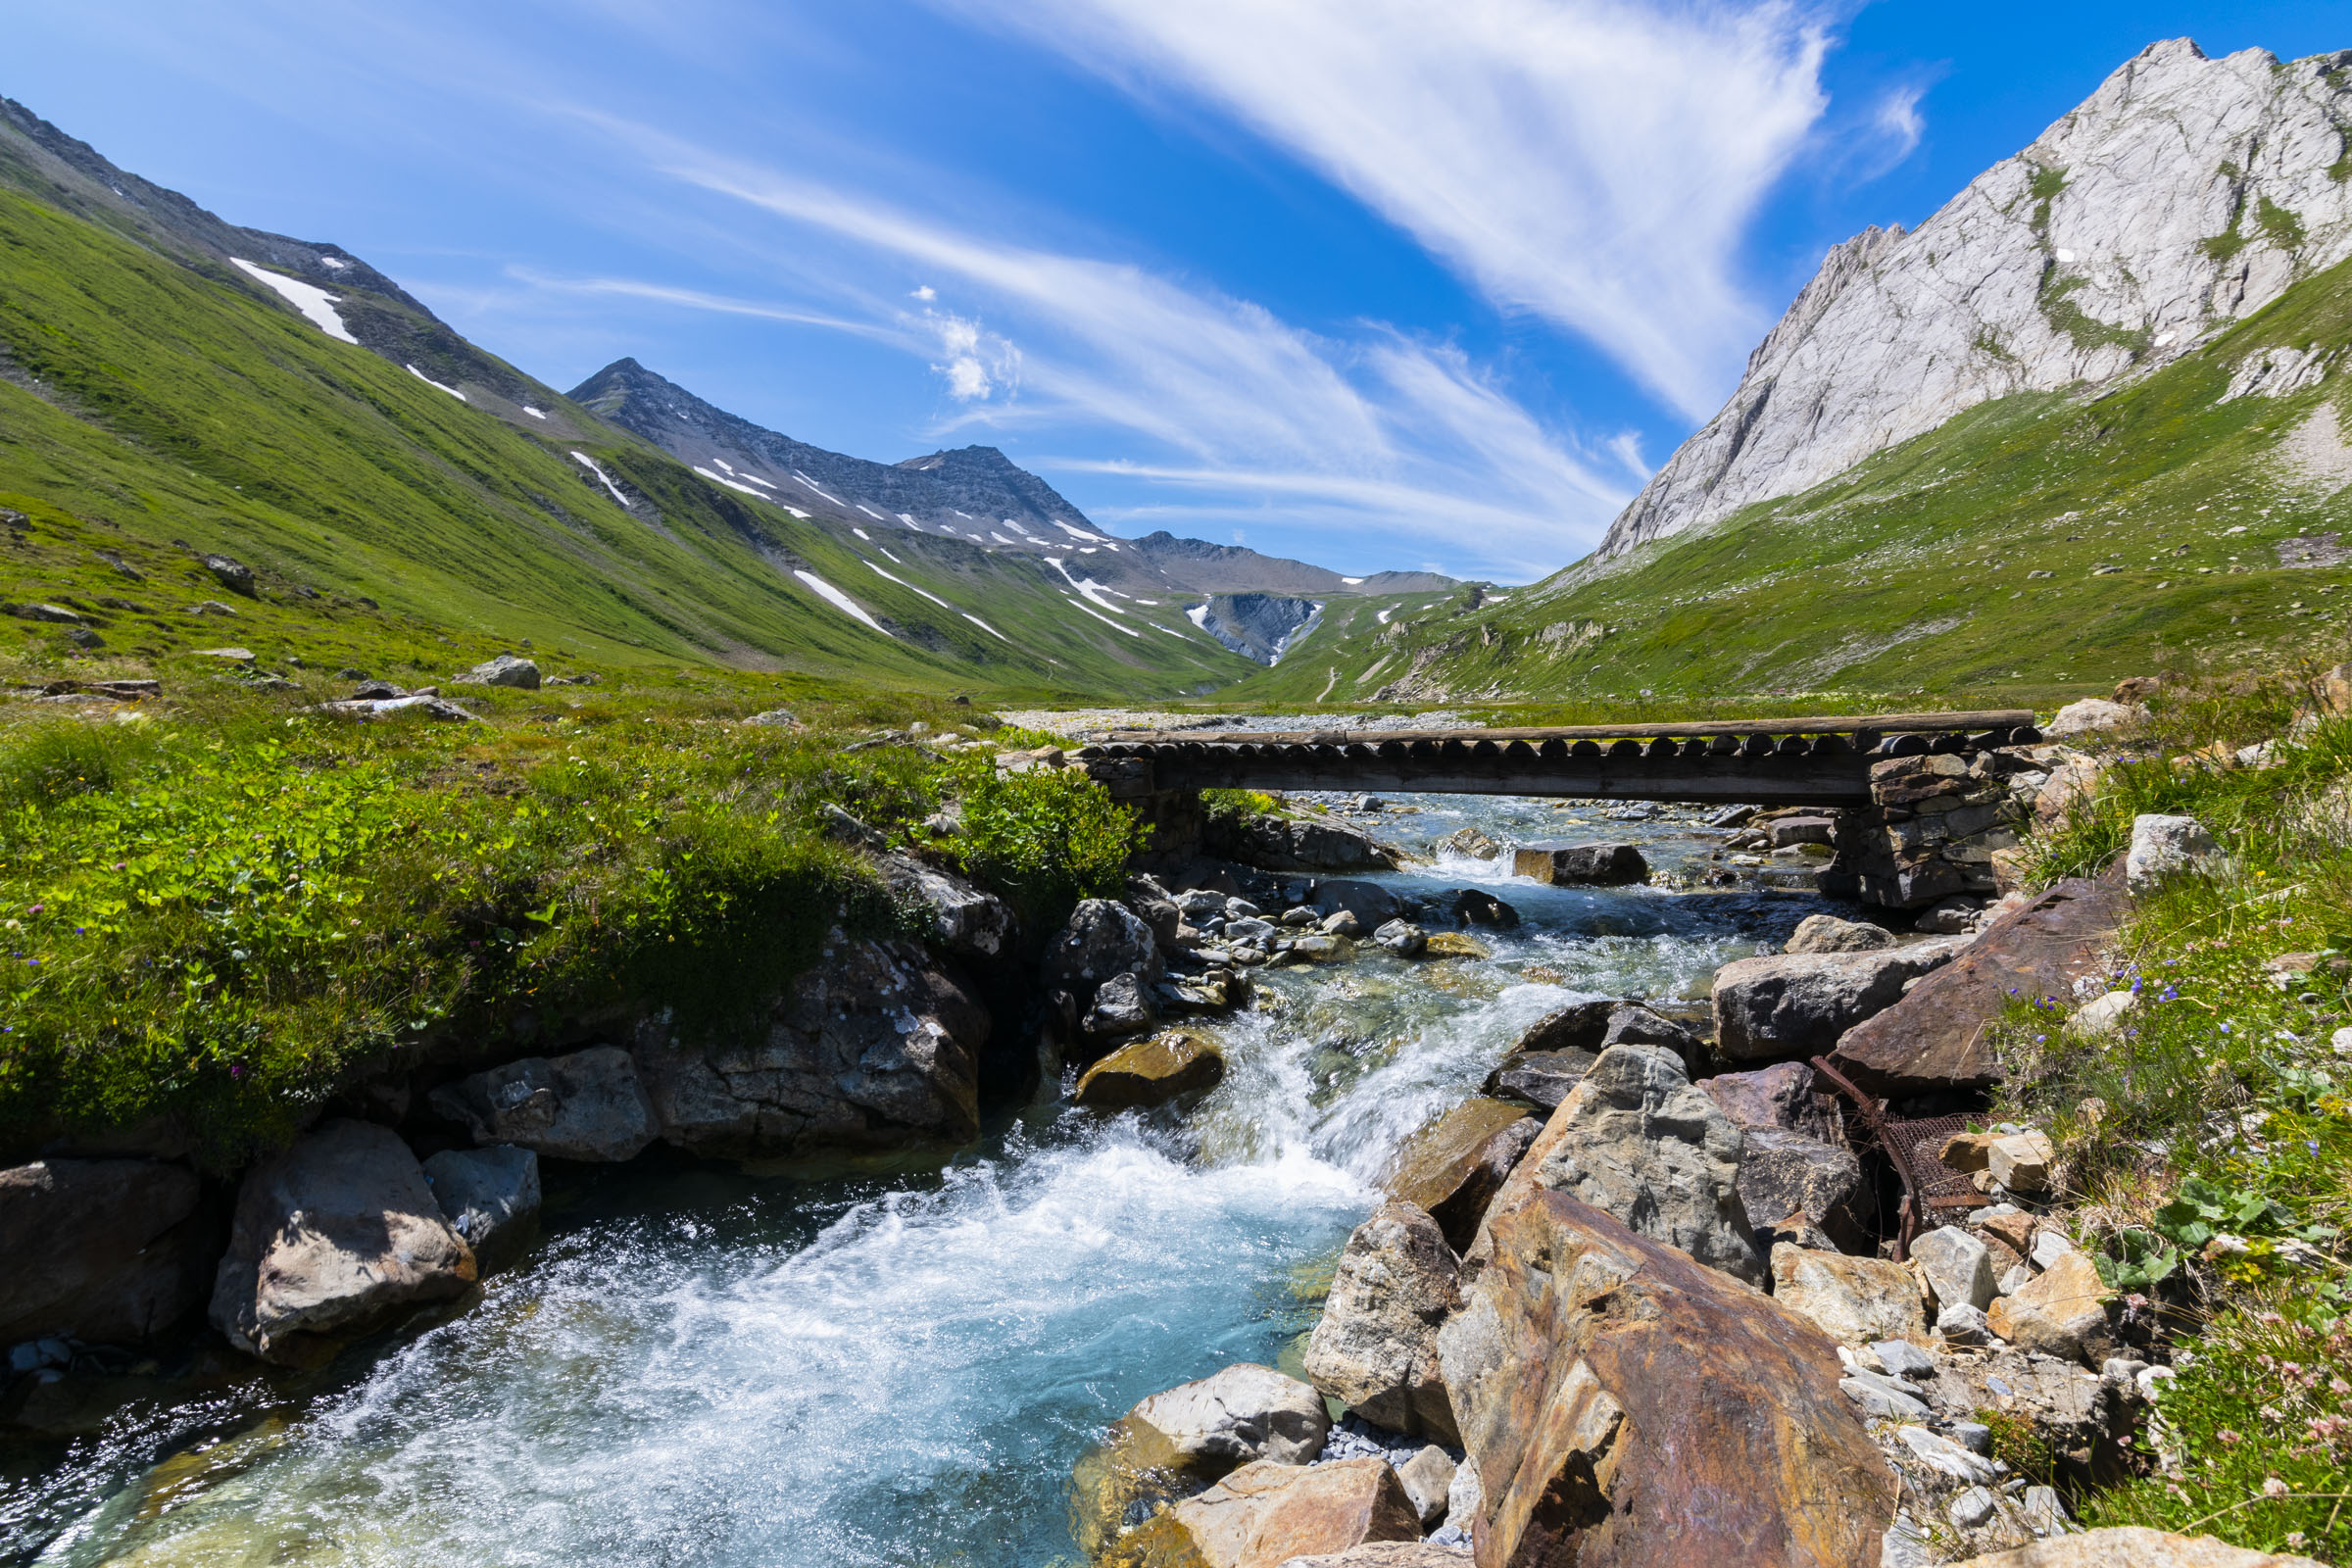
x,y
2228,1438
2273,1487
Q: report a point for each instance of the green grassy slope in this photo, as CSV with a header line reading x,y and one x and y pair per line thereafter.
x,y
2046,542
152,406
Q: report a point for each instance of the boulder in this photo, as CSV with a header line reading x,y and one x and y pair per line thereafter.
x,y
586,1106
332,1238
1855,1300
1632,1024
233,575
1541,1078
2061,1311
1637,1141
2021,1161
1369,902
1826,933
1099,940
490,1198
1375,1347
1122,1007
1785,1174
1265,1515
1151,1072
1622,1404
507,670
1323,950
2094,715
1151,903
1389,1554
1472,907
1342,924
101,1250
1957,1267
1428,1482
1469,842
1934,1038
1578,1026
1454,945
1790,1006
2165,846
1242,1415
1297,844
2134,1546
1453,1167
1784,831
1781,1095
1401,936
874,1047
1586,864
959,917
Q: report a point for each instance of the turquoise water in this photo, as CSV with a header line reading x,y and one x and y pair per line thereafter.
x,y
705,1368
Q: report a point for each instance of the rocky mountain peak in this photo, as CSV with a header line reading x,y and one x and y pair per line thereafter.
x,y
2183,195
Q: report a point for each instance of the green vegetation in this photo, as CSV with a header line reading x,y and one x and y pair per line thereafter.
x,y
226,913
2285,228
1235,806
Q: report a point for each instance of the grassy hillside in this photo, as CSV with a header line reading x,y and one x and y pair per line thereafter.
x,y
2043,543
157,409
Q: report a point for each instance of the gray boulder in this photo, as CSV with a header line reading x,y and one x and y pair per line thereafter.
x,y
874,1047
1100,939
1375,1347
506,669
1957,1266
1632,1024
961,918
1401,936
102,1251
1541,1078
233,575
490,1197
588,1106
1593,865
1826,933
1237,1416
1122,1007
1782,1095
1637,1141
331,1239
1796,1004
1785,1175
1369,902
1150,902
1299,844
2167,846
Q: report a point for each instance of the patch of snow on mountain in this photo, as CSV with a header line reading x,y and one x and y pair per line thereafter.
x,y
1094,591
965,516
435,385
812,484
1385,614
1352,581
601,478
885,552
536,414
1198,615
984,625
904,583
316,304
795,510
1105,620
871,513
905,518
721,478
1000,539
861,533
837,599
336,262
1079,534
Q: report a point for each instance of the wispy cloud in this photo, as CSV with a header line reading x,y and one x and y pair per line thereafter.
x,y
1594,162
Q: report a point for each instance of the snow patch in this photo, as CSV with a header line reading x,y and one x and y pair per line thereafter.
x,y
861,533
885,552
908,520
336,262
1385,614
1105,620
601,478
984,625
1000,539
838,599
721,478
1079,534
904,583
316,304
435,385
871,513
1198,615
1352,581
1094,591
812,484
536,414
796,512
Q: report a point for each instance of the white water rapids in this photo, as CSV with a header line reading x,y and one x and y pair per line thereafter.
x,y
707,1367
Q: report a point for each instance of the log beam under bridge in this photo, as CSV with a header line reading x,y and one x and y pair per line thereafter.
x,y
1823,762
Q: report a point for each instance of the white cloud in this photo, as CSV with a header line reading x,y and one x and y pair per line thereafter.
x,y
926,294
1595,161
1899,119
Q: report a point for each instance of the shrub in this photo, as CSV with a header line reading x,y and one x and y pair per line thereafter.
x,y
1045,838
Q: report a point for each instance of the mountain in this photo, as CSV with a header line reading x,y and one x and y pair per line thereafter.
x,y
2182,196
2087,418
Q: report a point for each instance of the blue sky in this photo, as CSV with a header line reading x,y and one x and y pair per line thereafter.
x,y
1381,283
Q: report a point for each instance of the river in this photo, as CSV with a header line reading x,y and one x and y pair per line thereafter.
x,y
711,1368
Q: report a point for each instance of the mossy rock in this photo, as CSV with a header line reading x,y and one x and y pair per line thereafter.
x,y
1454,945
1151,1072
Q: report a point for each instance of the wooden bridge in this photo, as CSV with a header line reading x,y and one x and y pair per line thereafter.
x,y
1765,761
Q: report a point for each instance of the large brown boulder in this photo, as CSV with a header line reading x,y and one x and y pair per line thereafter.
x,y
1793,1004
1782,1094
1934,1038
1265,1515
331,1239
1623,1405
1785,1174
104,1251
1375,1347
1453,1167
2132,1546
875,1046
1151,1072
1855,1300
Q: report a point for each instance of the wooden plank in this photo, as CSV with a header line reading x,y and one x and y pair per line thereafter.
x,y
1826,781
1888,723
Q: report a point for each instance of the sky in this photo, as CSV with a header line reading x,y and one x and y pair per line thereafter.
x,y
1377,283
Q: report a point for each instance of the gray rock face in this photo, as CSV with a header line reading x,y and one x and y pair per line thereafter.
x,y
1260,627
1779,1096
1957,1266
1235,1417
1369,902
1375,1347
1100,939
332,1238
1826,933
104,1251
2104,215
874,1047
507,670
1637,1141
1122,1006
2167,846
1796,1004
587,1105
1783,1174
1541,1078
963,919
490,1198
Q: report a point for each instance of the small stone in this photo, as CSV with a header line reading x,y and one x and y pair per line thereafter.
x,y
1973,1507
1881,1398
2021,1161
1904,1358
2007,1223
1304,914
1974,1436
1962,1324
1428,1478
2048,1247
1401,936
1826,933
1946,1457
1958,1267
2165,847
1324,950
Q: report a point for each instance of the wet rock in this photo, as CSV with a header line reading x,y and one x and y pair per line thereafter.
x,y
1797,1004
1581,864
1637,1141
1100,939
1466,906
1242,1415
1323,950
1468,841
1541,1078
1368,902
1122,1007
1785,1175
2165,846
506,669
332,1238
1403,937
490,1198
1454,945
1578,1026
1151,1072
1375,1347
1623,1404
1934,1038
1855,1300
101,1250
1453,1167
2061,1311
588,1106
1299,844
1265,1515
1632,1024
2132,1546
1826,933
1957,1267
1344,924
875,1046
1780,1096
1428,1481
960,917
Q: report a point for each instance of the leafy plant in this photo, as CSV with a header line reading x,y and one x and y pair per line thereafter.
x,y
1045,838
2139,1263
